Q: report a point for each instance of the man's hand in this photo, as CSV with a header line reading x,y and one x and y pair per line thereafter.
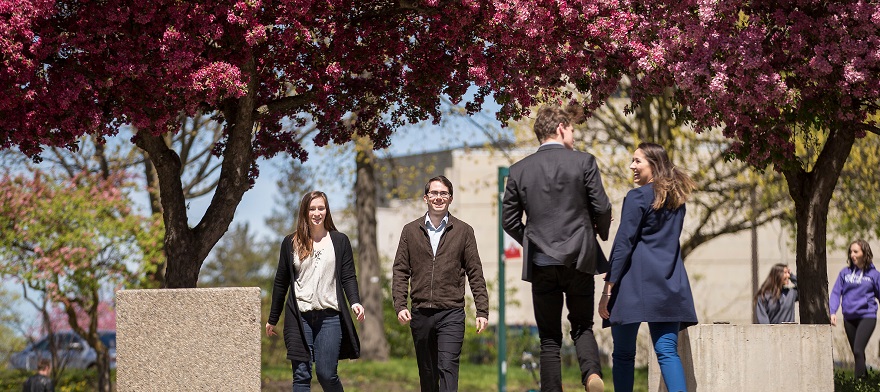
x,y
482,322
359,312
404,317
833,320
270,330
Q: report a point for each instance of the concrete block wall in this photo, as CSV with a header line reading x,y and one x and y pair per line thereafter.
x,y
188,339
740,358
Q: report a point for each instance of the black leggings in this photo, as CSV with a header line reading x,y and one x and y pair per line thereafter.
x,y
858,331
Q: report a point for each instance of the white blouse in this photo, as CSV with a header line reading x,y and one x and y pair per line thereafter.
x,y
316,278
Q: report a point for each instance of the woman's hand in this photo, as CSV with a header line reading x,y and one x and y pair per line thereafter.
x,y
833,320
603,307
359,312
603,302
270,330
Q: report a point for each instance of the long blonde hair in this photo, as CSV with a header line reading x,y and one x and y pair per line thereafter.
x,y
302,237
672,186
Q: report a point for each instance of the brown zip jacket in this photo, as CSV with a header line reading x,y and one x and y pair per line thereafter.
x,y
437,281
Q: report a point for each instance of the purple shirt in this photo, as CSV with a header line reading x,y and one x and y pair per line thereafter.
x,y
857,290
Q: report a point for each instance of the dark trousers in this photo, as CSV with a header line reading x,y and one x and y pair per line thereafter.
x,y
324,337
858,332
551,287
438,335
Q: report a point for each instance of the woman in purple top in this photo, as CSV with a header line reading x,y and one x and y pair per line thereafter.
x,y
856,292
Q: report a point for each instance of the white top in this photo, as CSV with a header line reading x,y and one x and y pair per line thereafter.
x,y
434,233
316,278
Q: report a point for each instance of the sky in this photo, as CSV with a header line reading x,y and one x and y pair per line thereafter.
x,y
259,202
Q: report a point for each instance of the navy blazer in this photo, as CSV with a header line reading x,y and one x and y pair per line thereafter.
x,y
561,193
650,282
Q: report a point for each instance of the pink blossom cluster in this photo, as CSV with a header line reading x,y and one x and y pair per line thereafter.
x,y
91,67
762,70
757,69
219,80
59,321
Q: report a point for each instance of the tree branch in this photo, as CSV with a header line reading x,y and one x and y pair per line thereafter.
x,y
868,128
285,104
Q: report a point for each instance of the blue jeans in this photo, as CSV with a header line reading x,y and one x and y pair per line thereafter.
x,y
324,337
665,338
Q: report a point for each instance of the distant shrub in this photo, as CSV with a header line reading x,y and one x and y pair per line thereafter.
x,y
845,382
72,380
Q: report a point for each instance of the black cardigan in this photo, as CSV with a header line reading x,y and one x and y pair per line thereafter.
x,y
346,281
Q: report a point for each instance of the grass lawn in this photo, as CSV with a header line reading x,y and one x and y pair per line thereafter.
x,y
401,375
396,375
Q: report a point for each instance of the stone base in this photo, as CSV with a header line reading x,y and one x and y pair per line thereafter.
x,y
741,358
188,339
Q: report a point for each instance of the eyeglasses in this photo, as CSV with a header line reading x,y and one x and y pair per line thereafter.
x,y
435,194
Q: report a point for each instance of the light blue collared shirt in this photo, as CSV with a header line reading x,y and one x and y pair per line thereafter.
x,y
434,233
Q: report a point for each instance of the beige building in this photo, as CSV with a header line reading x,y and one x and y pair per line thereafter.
x,y
719,271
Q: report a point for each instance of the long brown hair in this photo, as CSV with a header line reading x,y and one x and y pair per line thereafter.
x,y
302,237
672,186
867,255
773,284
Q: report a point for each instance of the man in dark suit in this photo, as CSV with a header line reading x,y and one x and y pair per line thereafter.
x,y
561,193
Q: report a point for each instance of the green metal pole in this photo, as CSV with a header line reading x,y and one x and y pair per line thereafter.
x,y
502,324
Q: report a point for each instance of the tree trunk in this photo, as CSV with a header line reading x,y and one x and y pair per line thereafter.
x,y
811,192
186,248
91,336
157,277
102,365
374,345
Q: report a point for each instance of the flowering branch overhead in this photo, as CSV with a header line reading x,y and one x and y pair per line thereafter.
x,y
81,68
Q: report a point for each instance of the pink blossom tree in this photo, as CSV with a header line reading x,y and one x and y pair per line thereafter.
x,y
60,321
266,68
772,76
76,241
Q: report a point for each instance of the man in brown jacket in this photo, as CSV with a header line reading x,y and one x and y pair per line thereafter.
x,y
435,253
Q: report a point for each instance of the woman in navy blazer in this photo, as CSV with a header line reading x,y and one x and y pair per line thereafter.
x,y
647,281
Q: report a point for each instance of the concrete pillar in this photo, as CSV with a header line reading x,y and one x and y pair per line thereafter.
x,y
188,339
740,358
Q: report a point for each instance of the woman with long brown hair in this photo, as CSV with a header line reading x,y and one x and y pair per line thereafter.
x,y
856,292
647,281
774,301
316,276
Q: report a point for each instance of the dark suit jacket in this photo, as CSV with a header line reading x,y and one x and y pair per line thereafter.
x,y
346,287
561,193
